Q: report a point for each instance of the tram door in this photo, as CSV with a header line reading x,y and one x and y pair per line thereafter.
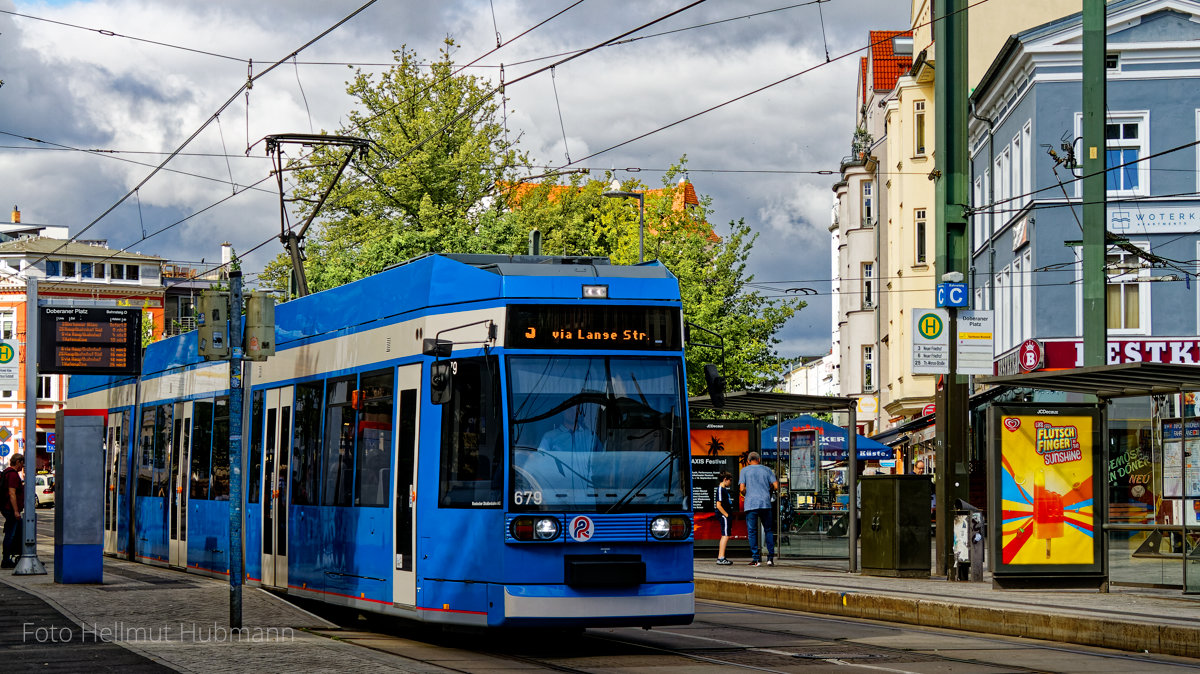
x,y
113,453
277,445
408,383
179,485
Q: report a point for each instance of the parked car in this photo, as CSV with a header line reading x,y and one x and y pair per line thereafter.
x,y
43,490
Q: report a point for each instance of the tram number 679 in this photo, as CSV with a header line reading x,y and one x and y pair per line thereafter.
x,y
534,497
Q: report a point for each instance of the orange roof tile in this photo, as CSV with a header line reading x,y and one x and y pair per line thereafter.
x,y
862,77
886,66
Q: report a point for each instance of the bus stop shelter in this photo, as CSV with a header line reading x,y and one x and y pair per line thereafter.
x,y
1108,382
781,405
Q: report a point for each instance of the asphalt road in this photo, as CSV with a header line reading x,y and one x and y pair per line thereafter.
x,y
724,637
729,637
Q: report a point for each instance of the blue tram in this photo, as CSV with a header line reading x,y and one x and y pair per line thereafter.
x,y
470,439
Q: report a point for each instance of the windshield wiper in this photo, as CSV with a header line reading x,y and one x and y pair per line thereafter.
x,y
672,455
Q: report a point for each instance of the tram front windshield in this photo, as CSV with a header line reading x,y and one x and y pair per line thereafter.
x,y
596,434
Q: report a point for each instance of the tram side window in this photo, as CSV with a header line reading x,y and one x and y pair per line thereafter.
x,y
372,475
471,437
162,431
254,460
145,453
220,451
340,420
202,415
122,470
306,447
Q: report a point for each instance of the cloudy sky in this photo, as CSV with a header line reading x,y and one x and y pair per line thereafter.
x,y
102,83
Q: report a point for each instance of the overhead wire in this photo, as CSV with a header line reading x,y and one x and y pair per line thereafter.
x,y
244,87
112,154
764,87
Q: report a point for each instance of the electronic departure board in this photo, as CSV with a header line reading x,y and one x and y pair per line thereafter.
x,y
599,326
90,340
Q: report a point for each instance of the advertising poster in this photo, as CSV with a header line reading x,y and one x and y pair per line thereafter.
x,y
803,474
1181,462
716,446
1047,469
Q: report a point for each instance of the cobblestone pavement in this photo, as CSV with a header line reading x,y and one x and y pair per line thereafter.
x,y
168,619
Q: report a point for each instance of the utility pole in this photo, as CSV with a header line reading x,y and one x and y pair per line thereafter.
x,y
951,175
1095,207
220,337
29,564
236,566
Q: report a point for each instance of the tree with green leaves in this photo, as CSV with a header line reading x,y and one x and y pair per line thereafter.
x,y
444,179
438,156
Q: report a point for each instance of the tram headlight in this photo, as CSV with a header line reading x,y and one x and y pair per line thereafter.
x,y
529,528
545,529
670,528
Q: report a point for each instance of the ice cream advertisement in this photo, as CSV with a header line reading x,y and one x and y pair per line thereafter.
x,y
1046,475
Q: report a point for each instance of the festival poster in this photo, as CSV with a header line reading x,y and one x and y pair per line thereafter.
x,y
1047,469
716,446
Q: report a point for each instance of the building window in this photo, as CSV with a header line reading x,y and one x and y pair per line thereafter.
x,y
1026,317
1128,292
1018,177
1123,139
131,272
868,282
45,387
868,203
1112,61
1026,160
68,268
919,126
1003,303
99,270
919,226
85,269
117,271
1127,140
976,214
53,268
868,365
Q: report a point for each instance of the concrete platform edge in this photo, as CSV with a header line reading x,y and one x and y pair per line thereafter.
x,y
1105,633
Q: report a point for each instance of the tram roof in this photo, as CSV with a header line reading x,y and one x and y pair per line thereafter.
x,y
551,265
761,404
1108,381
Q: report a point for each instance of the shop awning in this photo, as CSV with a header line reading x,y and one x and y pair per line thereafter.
x,y
831,439
1108,381
761,404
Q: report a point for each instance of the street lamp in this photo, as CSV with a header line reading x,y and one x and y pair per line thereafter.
x,y
615,191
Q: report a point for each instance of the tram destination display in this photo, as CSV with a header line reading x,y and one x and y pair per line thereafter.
x,y
90,340
593,327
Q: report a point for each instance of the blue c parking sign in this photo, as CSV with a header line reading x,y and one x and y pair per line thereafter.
x,y
952,295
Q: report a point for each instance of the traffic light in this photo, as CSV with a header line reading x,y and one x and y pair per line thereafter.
x,y
260,326
212,323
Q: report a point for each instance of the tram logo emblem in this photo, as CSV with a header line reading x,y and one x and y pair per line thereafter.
x,y
582,528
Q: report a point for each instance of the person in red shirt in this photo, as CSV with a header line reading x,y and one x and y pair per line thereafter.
x,y
12,503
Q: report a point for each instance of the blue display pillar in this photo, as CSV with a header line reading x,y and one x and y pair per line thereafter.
x,y
79,496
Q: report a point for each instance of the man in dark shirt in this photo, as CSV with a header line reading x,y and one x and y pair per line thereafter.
x,y
12,503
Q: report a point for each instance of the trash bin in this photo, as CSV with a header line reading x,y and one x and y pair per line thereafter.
x,y
895,525
968,542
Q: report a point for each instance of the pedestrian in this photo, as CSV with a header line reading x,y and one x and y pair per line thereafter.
x,y
757,483
919,467
724,505
12,503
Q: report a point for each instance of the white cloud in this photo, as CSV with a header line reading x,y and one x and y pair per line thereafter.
x,y
84,89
